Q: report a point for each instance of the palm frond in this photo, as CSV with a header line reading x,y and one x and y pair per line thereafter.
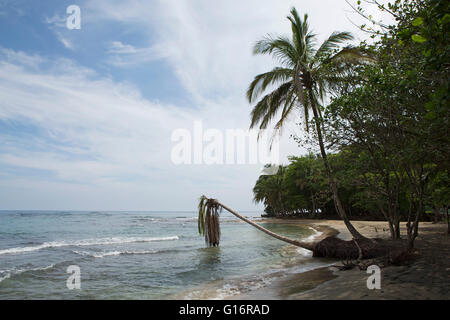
x,y
306,116
281,48
321,89
333,42
302,39
306,107
338,69
261,81
350,55
208,220
287,110
266,109
306,73
212,225
201,215
298,34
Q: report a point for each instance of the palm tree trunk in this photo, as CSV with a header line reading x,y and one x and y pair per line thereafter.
x,y
331,181
304,245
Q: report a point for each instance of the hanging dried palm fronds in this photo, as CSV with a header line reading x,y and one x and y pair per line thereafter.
x,y
208,223
208,220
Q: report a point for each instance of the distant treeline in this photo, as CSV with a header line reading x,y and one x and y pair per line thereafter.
x,y
301,189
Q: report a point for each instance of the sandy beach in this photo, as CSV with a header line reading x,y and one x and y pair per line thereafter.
x,y
426,277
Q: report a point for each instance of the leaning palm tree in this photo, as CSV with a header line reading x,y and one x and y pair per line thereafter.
x,y
302,80
208,224
332,247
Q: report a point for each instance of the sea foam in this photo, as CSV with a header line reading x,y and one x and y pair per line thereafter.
x,y
114,253
14,272
85,242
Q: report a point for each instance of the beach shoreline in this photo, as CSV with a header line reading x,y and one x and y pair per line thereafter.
x,y
427,277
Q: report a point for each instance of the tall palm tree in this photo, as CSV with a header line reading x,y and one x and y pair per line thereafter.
x,y
302,80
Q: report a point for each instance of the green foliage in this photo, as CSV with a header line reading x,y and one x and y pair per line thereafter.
x,y
418,38
269,189
417,21
388,121
301,188
396,113
438,193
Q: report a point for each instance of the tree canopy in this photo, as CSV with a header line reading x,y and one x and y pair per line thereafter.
x,y
386,126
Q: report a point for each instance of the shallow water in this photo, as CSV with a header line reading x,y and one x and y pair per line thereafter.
x,y
139,255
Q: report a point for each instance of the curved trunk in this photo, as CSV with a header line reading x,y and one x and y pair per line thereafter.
x,y
331,181
304,245
330,247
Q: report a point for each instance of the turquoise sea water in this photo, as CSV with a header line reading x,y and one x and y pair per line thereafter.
x,y
139,255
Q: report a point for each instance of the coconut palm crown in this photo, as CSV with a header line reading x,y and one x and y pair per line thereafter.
x,y
305,75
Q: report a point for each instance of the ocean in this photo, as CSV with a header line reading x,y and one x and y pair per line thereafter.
x,y
141,255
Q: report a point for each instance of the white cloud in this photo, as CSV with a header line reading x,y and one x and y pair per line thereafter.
x,y
56,20
21,58
116,152
65,41
209,44
57,24
119,47
103,136
124,55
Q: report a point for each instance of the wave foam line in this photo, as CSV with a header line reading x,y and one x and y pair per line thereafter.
x,y
8,275
87,242
14,272
312,237
114,253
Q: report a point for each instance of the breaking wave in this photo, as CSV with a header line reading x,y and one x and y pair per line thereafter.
x,y
6,274
86,242
113,253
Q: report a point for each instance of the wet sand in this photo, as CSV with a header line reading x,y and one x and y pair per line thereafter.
x,y
427,277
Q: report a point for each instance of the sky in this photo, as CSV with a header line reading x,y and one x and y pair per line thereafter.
x,y
87,115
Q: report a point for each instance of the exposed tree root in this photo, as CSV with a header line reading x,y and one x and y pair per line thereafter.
x,y
363,252
332,247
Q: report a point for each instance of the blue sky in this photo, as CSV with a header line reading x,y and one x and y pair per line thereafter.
x,y
86,115
39,28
